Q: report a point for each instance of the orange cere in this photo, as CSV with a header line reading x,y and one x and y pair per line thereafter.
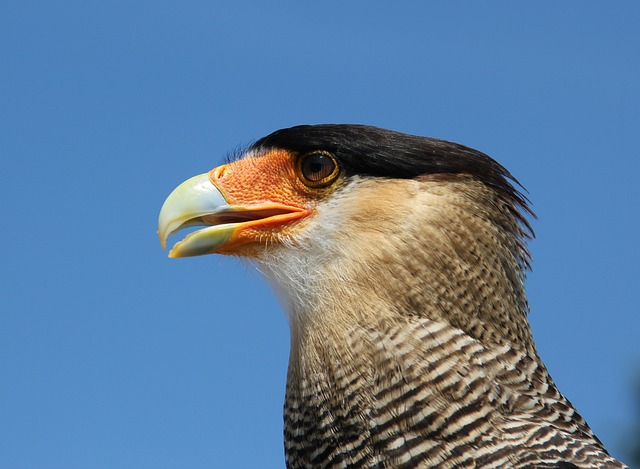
x,y
264,183
265,179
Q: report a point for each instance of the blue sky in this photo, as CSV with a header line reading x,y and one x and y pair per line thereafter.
x,y
112,355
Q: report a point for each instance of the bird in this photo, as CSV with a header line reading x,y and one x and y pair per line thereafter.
x,y
400,262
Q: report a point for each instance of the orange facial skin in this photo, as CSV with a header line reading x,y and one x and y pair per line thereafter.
x,y
268,190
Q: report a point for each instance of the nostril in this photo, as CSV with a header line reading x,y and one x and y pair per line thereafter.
x,y
219,172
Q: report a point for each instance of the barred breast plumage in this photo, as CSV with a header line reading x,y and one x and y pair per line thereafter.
x,y
423,394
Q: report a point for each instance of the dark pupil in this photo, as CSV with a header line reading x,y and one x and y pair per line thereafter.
x,y
317,167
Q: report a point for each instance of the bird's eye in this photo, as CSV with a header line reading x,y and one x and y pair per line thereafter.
x,y
318,169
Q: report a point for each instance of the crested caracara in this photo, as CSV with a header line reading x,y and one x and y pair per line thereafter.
x,y
400,262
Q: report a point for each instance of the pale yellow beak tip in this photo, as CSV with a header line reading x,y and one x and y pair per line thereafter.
x,y
185,207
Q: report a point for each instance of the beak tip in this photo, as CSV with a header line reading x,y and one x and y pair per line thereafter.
x,y
162,237
193,198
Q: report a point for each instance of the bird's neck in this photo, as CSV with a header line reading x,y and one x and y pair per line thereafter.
x,y
451,261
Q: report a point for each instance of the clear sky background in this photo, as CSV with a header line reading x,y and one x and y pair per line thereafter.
x,y
114,356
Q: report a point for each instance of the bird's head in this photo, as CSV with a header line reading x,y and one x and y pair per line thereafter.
x,y
359,215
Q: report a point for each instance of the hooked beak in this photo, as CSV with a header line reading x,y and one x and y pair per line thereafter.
x,y
198,202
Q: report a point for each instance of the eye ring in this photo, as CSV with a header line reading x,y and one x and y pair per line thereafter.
x,y
317,169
